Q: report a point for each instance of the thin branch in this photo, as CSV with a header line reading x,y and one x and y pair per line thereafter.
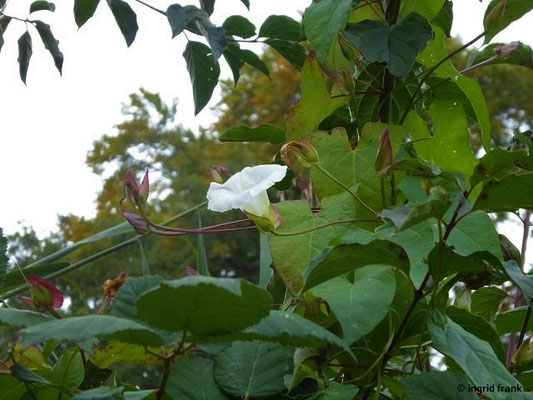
x,y
151,7
344,221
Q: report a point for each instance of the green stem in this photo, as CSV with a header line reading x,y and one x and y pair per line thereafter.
x,y
344,221
353,194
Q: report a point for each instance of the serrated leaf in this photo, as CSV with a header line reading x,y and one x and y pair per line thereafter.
x,y
42,5
437,385
280,27
177,18
397,45
262,133
84,10
126,19
237,25
25,53
203,305
291,51
21,318
204,72
50,43
500,14
322,23
253,369
508,194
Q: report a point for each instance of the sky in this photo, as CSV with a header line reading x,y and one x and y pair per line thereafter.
x,y
48,126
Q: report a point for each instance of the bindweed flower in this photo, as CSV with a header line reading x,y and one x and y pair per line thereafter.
x,y
384,156
299,157
45,296
136,194
247,191
138,222
219,173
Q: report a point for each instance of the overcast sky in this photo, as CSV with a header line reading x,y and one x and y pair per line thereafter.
x,y
48,127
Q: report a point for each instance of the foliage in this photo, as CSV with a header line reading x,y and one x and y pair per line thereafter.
x,y
394,215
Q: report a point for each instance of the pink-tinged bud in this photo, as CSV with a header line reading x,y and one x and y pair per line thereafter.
x,y
220,173
131,189
138,223
45,295
144,189
384,156
503,50
191,271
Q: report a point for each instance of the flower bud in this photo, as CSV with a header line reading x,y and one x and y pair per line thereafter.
x,y
44,294
308,151
266,223
299,157
189,271
138,222
136,195
384,156
144,189
524,355
220,173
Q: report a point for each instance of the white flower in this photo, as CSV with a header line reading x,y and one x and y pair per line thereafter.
x,y
246,190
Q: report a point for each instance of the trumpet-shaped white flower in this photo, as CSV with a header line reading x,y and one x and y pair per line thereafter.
x,y
246,190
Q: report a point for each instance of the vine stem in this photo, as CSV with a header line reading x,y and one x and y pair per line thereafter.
x,y
433,69
353,194
344,221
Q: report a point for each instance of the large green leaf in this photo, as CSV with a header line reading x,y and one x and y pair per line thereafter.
x,y
21,318
338,391
208,6
253,369
237,25
428,9
397,45
125,304
203,305
434,52
42,5
25,53
373,289
125,18
237,56
204,72
335,261
265,261
80,329
500,14
192,379
101,393
12,388
496,164
521,54
437,385
280,27
50,43
262,133
474,356
114,352
323,21
317,101
523,281
69,371
177,19
84,10
508,194
4,22
486,301
215,36
512,321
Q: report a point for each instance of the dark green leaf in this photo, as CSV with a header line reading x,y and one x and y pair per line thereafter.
x,y
249,57
101,393
3,257
177,18
125,304
80,329
204,306
265,261
204,72
4,22
246,3
268,133
84,10
496,164
444,18
437,385
192,379
25,52
69,370
281,27
507,194
474,356
512,321
486,301
126,19
397,45
15,277
40,5
215,36
338,391
427,9
253,369
520,54
500,14
25,375
237,25
208,6
50,42
322,23
373,289
11,388
234,62
21,318
292,52
523,281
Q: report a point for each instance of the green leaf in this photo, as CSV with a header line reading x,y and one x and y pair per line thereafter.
x,y
496,164
202,266
478,327
12,388
208,6
373,289
16,276
177,18
246,3
427,9
338,391
84,10
51,44
444,18
215,36
434,52
204,72
80,329
25,375
437,385
508,194
500,14
268,133
101,393
249,57
69,371
234,62
253,369
192,379
280,27
21,318
114,352
125,304
521,55
126,19
25,53
335,261
474,356
292,52
40,5
240,26
203,305
4,22
323,21
512,321
3,258
486,301
148,394
397,45
265,261
475,233
523,281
